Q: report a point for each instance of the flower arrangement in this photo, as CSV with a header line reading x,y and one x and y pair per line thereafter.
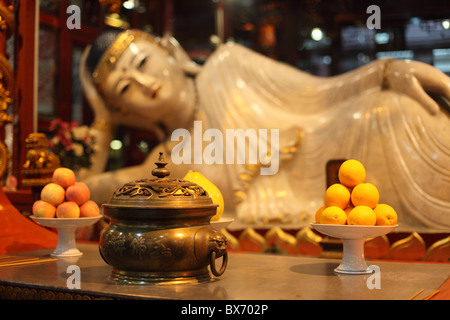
x,y
73,144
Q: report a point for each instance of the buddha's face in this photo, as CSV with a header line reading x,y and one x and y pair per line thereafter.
x,y
146,81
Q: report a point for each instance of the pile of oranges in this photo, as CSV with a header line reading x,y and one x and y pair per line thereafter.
x,y
354,201
65,198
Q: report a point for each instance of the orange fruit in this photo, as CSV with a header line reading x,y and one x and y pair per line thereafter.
x,y
365,194
351,173
337,195
386,215
362,215
348,209
318,213
333,215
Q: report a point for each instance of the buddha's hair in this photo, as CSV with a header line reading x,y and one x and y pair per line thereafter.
x,y
99,46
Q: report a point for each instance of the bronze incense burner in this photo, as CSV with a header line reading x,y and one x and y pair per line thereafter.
x,y
160,232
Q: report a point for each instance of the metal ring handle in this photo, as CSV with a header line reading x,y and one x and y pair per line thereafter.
x,y
212,263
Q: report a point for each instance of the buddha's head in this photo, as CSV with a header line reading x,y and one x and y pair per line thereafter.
x,y
135,73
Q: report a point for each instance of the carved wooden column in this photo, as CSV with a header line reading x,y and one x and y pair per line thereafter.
x,y
7,28
114,5
18,233
25,72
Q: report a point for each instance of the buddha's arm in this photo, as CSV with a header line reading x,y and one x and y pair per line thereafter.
x,y
320,92
412,78
103,134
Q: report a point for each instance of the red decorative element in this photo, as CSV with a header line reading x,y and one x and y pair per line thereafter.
x,y
18,233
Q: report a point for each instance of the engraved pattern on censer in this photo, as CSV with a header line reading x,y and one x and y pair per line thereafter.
x,y
139,245
161,192
133,191
160,187
116,242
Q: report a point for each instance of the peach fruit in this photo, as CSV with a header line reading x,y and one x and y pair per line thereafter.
x,y
78,192
64,177
89,209
53,193
68,209
42,209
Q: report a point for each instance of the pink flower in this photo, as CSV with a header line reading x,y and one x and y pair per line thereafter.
x,y
64,125
69,142
54,124
68,146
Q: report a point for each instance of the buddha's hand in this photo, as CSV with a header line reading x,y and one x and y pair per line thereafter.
x,y
414,78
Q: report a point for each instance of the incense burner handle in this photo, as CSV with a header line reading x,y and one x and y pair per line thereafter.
x,y
212,244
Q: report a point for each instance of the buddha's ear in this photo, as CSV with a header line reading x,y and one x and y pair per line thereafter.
x,y
85,76
89,89
177,51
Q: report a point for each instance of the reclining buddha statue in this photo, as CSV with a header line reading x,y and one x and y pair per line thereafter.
x,y
381,114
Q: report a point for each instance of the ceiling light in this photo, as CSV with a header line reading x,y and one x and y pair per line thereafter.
x,y
317,34
116,145
128,5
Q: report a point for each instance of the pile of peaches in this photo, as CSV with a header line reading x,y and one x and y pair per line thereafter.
x,y
65,198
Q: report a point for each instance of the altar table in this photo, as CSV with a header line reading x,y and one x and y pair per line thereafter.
x,y
249,276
